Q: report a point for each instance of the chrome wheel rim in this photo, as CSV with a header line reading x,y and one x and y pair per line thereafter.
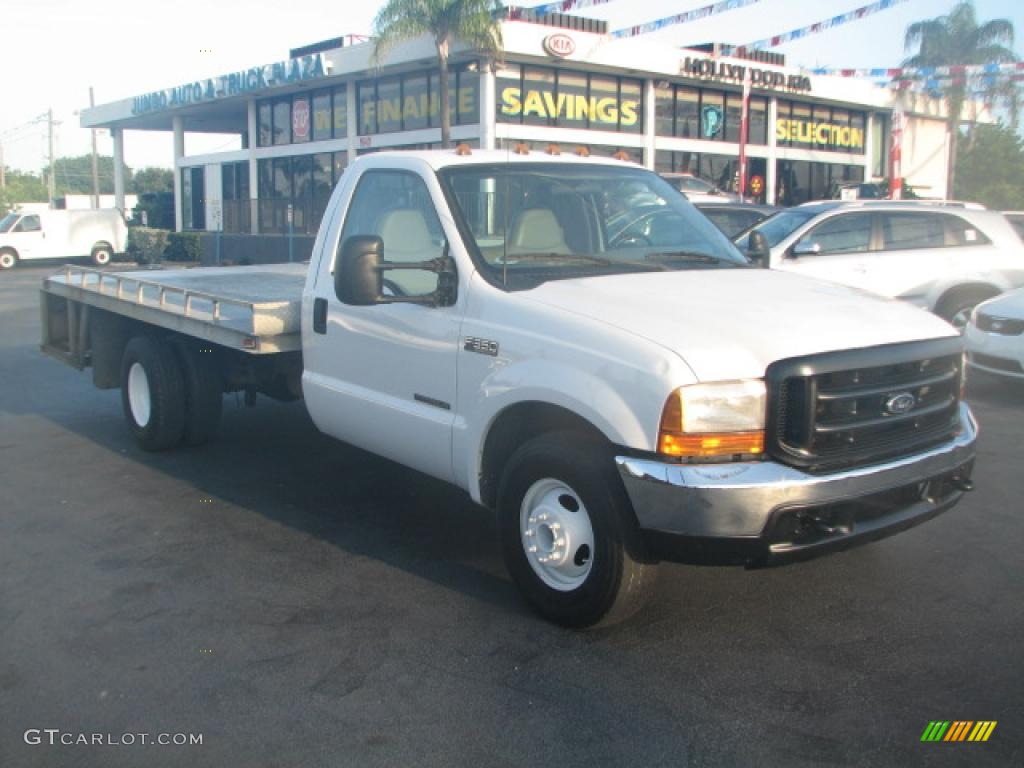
x,y
138,394
556,534
102,257
6,260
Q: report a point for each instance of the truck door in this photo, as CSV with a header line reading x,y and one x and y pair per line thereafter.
x,y
27,237
383,377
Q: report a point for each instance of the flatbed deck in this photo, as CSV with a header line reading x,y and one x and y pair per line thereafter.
x,y
253,309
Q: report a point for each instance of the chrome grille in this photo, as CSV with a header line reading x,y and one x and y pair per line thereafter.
x,y
850,409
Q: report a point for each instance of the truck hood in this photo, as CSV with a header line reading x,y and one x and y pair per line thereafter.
x,y
733,323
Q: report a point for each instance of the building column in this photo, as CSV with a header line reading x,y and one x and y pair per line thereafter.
x,y
488,108
770,176
869,146
650,129
352,127
179,152
254,178
118,136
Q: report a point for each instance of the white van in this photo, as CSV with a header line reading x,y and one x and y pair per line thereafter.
x,y
98,234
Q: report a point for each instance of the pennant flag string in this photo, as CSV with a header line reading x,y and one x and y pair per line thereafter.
x,y
683,18
812,29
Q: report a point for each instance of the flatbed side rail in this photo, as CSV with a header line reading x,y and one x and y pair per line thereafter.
x,y
168,297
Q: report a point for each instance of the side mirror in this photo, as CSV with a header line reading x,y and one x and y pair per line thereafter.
x,y
359,275
357,272
806,248
758,250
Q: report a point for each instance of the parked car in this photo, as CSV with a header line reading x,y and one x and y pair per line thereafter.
x,y
735,218
98,234
944,258
995,336
698,190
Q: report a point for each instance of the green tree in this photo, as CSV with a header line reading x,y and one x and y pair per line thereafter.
x,y
74,175
446,21
152,180
21,187
958,39
991,168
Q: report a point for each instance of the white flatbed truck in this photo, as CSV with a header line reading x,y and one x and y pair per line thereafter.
x,y
572,343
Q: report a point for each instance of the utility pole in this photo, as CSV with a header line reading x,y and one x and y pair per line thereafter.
x,y
53,168
95,162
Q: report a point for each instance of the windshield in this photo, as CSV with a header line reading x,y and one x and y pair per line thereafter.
x,y
776,228
535,222
692,184
8,221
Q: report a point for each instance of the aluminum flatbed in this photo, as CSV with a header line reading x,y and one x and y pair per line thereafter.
x,y
251,309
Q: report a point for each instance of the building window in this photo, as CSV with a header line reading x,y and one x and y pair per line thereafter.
x,y
341,112
193,198
235,191
820,128
301,120
757,131
266,128
389,106
687,112
322,115
664,110
415,103
282,121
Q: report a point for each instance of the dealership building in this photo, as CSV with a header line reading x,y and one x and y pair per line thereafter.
x,y
561,79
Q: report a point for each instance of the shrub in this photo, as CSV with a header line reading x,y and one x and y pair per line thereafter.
x,y
146,245
183,246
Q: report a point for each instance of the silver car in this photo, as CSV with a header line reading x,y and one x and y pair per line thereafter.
x,y
946,258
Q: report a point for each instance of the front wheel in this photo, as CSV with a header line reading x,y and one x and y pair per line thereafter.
x,y
8,259
957,308
568,532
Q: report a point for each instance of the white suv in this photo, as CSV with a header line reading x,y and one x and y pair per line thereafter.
x,y
940,257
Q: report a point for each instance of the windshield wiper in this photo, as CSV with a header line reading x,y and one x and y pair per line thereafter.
x,y
701,258
580,258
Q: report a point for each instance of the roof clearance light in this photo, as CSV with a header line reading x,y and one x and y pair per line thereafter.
x,y
463,150
621,155
582,151
521,149
553,149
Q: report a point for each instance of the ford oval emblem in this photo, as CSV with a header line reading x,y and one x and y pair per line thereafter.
x,y
559,45
900,403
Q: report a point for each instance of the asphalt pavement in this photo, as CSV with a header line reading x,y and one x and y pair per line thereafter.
x,y
295,601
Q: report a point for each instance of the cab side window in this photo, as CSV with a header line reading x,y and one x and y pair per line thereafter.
x,y
845,233
27,224
396,207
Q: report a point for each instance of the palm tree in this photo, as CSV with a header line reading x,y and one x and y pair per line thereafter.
x,y
958,39
446,21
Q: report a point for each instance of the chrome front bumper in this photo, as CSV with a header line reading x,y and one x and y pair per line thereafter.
x,y
744,502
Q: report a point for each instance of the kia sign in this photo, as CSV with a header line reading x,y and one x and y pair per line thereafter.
x,y
559,45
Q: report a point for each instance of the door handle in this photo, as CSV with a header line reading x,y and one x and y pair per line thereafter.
x,y
319,315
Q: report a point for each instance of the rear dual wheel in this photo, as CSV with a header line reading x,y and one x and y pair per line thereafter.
x,y
170,393
569,535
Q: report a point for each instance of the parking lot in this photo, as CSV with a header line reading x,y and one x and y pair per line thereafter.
x,y
299,602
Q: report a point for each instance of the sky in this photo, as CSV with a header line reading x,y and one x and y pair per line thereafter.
x,y
54,50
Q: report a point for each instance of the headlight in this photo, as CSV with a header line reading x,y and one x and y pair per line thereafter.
x,y
717,419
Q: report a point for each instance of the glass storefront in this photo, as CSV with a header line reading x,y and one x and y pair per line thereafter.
x,y
820,127
304,184
798,181
311,116
412,102
235,191
709,114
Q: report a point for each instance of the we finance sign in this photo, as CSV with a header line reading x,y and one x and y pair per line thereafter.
x,y
233,84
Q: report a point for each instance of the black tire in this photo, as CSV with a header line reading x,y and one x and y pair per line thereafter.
x,y
955,308
164,393
8,258
102,254
204,389
620,577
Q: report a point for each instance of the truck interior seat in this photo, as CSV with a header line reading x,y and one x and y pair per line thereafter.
x,y
536,230
407,238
